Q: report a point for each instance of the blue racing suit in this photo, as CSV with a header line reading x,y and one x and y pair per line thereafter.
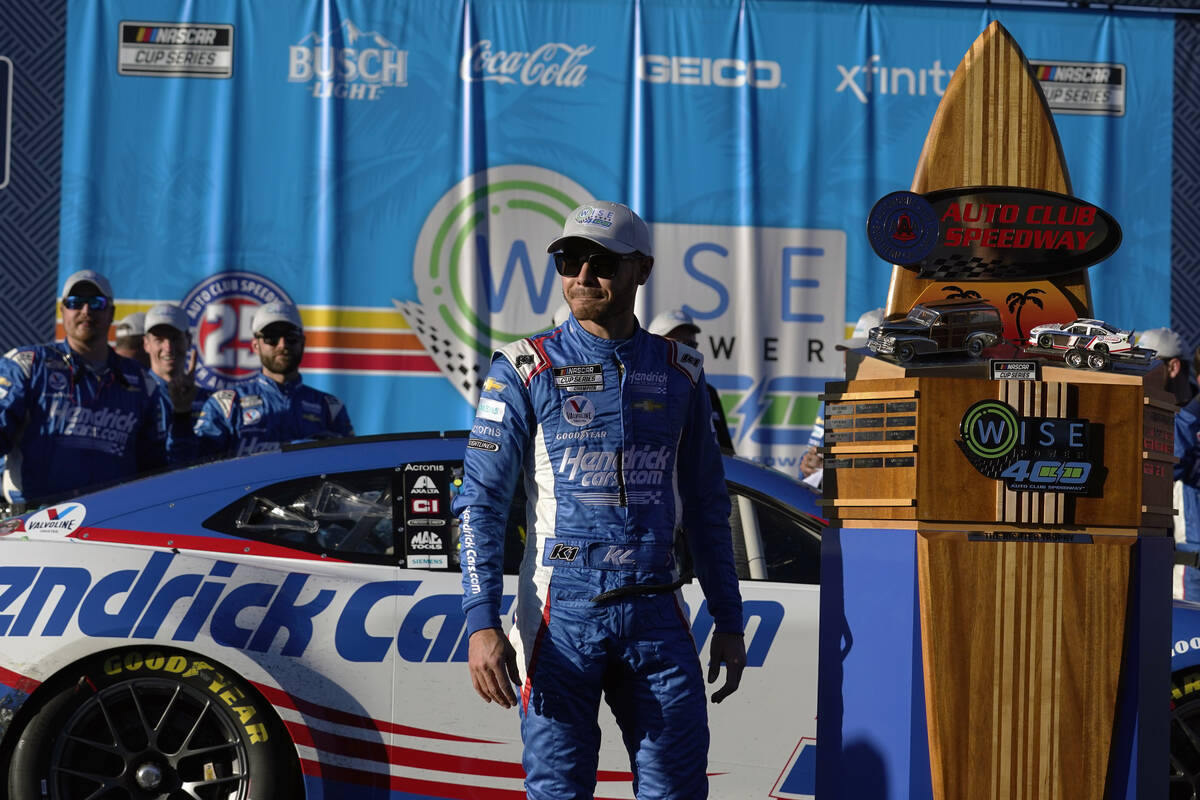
x,y
260,415
1187,470
67,426
183,447
615,444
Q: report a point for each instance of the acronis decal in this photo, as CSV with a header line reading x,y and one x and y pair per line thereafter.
x,y
135,604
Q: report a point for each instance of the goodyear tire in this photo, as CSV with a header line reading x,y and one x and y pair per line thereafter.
x,y
1045,341
1074,358
1185,736
152,723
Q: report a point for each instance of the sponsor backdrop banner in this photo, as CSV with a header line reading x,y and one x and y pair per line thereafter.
x,y
396,170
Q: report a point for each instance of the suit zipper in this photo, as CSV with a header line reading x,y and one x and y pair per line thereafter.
x,y
622,498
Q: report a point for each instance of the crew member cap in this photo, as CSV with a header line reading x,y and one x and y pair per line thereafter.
x,y
671,319
132,325
167,314
1166,342
613,226
270,313
86,276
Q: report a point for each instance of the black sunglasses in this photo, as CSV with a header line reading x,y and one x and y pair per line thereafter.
x,y
272,339
95,303
603,265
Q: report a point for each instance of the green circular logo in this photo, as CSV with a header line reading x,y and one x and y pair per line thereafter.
x,y
989,429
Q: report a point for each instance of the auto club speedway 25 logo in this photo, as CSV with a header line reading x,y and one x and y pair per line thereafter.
x,y
220,311
484,279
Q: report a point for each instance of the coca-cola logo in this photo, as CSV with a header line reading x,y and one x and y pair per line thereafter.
x,y
552,64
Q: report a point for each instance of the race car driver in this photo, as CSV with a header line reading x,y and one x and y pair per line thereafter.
x,y
610,426
73,414
276,406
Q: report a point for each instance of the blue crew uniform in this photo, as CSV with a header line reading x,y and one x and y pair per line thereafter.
x,y
67,426
615,443
260,415
1187,470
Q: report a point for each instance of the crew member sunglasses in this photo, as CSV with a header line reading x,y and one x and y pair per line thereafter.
x,y
603,265
75,302
273,338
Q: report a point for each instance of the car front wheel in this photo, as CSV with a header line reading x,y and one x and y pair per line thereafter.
x,y
152,723
1185,737
1046,341
905,353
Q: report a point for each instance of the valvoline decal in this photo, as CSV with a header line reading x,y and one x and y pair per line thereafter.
x,y
136,604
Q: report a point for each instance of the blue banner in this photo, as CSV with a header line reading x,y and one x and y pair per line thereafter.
x,y
397,170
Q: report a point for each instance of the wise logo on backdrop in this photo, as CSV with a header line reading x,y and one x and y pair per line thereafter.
x,y
483,275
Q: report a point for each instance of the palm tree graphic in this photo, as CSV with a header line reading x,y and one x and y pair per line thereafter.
x,y
960,293
1016,301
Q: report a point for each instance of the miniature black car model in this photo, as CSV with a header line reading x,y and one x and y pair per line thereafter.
x,y
945,327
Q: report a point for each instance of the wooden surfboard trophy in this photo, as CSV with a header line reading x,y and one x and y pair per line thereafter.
x,y
1038,575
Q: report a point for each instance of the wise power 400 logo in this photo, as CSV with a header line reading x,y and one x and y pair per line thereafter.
x,y
1030,454
220,312
484,278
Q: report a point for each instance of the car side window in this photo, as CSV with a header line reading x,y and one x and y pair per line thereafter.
x,y
790,543
347,514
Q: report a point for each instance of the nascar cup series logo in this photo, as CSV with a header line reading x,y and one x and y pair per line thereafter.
x,y
483,276
347,63
220,311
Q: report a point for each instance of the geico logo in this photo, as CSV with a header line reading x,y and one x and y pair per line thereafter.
x,y
192,604
725,72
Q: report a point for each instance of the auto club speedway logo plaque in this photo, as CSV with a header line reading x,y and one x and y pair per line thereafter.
x,y
220,311
1030,454
483,276
990,233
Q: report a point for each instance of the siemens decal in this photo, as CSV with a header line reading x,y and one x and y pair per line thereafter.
x,y
728,73
136,603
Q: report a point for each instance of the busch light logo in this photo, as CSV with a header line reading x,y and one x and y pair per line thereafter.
x,y
220,312
552,64
483,275
347,63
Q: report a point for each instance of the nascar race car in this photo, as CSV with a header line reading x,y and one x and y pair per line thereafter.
x,y
1089,334
288,625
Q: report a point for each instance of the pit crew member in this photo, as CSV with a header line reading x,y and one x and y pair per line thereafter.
x,y
167,343
73,414
276,406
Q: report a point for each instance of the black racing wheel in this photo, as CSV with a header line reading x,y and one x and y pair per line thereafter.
x,y
1097,360
1185,736
1074,358
153,724
1045,341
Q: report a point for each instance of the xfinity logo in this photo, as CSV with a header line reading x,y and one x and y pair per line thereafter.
x,y
551,64
864,80
728,73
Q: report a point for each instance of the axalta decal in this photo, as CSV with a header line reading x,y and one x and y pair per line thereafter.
x,y
55,601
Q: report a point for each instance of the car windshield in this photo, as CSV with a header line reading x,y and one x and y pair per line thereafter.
x,y
923,315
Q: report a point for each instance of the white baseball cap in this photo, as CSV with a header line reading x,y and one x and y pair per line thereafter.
x,y
862,329
613,226
86,276
1166,342
277,311
671,319
131,325
167,314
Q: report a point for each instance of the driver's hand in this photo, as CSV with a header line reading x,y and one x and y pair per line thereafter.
x,y
493,663
729,648
811,461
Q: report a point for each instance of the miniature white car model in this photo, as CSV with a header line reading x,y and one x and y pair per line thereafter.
x,y
1082,334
